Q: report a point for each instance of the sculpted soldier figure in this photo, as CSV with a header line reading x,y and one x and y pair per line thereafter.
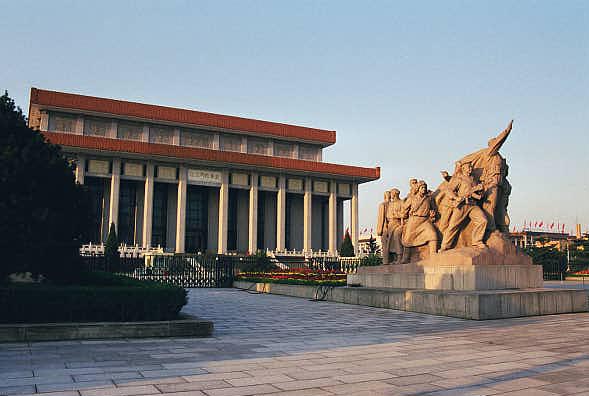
x,y
466,209
382,226
413,186
395,215
492,170
444,202
419,229
464,191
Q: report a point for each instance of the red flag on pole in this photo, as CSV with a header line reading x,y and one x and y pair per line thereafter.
x,y
541,224
536,225
552,225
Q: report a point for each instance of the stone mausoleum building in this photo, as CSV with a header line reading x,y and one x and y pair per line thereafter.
x,y
190,181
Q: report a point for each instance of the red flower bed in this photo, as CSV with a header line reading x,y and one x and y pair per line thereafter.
x,y
583,272
297,276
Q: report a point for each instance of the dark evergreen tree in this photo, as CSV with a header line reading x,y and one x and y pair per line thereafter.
x,y
111,249
347,248
372,245
43,212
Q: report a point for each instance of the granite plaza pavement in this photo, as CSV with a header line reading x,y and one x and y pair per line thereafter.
x,y
267,344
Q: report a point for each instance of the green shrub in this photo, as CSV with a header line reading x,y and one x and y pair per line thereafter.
x,y
99,297
258,262
347,248
371,260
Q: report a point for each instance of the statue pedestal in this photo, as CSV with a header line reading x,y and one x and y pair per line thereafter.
x,y
458,269
466,283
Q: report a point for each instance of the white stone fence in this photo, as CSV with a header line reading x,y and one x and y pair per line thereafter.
x,y
124,250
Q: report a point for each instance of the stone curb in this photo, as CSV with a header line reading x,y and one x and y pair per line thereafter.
x,y
474,305
24,332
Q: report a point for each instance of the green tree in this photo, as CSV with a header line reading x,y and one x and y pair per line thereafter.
x,y
111,249
347,248
552,260
372,245
579,255
43,212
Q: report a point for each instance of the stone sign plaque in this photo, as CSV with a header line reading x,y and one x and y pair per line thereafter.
x,y
166,172
320,186
268,181
204,176
99,167
240,179
133,169
295,184
343,188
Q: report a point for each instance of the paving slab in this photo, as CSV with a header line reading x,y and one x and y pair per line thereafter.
x,y
268,344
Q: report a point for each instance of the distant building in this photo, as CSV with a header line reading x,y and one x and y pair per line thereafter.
x,y
191,181
526,239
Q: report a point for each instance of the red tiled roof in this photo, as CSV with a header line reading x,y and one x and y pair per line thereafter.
x,y
106,144
170,114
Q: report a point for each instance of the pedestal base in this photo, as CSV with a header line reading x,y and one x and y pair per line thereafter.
x,y
449,277
477,305
490,283
458,269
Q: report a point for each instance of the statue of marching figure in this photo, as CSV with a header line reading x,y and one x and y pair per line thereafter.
x,y
465,209
419,229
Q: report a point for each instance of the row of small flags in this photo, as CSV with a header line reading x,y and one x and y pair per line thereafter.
x,y
554,226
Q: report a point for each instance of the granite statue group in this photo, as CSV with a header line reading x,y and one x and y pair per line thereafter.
x,y
467,208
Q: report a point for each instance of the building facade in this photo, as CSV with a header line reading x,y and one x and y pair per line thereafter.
x,y
189,181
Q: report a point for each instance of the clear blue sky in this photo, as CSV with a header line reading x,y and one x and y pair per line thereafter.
x,y
409,86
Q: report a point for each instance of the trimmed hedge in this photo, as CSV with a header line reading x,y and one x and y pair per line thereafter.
x,y
98,297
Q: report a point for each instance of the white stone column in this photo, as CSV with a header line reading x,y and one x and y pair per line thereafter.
x,y
148,206
79,125
281,214
114,129
244,144
44,125
181,211
176,137
354,224
223,213
145,134
80,169
295,151
253,214
332,218
308,217
115,183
